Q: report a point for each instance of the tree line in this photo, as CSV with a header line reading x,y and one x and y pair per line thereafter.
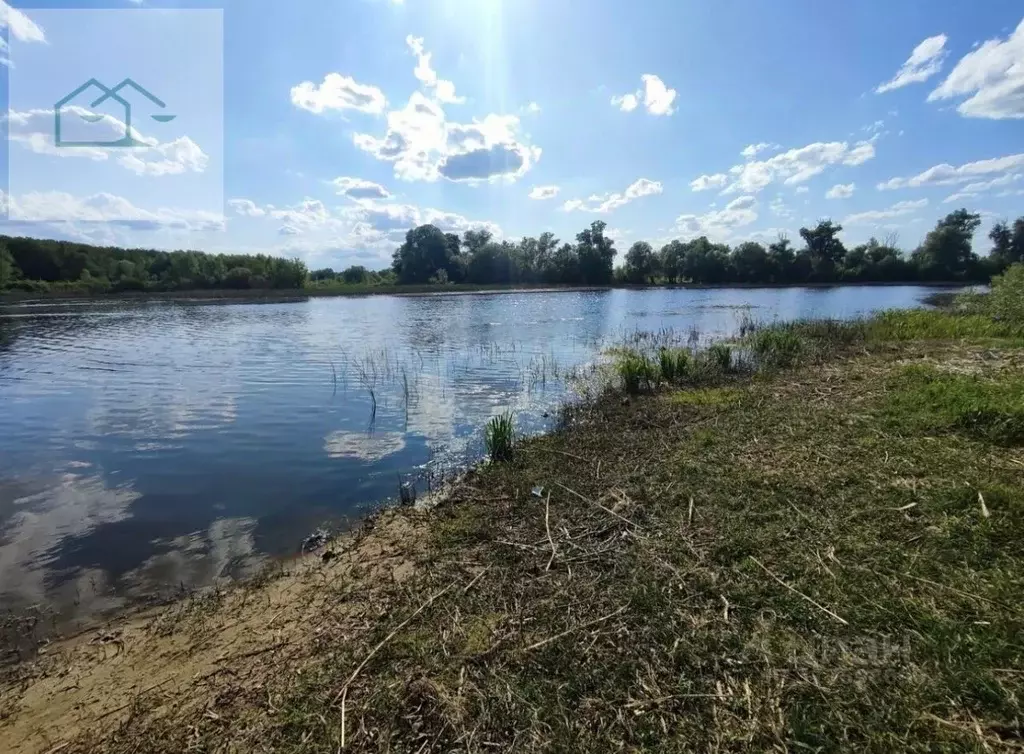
x,y
946,254
431,256
39,265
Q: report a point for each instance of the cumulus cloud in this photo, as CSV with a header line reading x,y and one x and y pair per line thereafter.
x,y
779,208
424,146
655,95
802,189
897,210
19,26
719,225
443,91
924,62
977,188
33,130
60,207
603,203
532,109
840,191
173,158
380,217
246,208
358,188
948,175
544,192
791,167
991,77
706,182
751,150
338,92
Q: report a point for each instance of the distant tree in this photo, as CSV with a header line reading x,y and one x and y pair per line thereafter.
x,y
781,259
641,263
355,275
1002,245
321,275
705,262
9,271
671,258
424,252
1017,241
945,253
751,263
824,249
238,277
596,254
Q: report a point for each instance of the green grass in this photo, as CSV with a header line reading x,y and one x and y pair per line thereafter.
x,y
676,364
777,348
923,399
500,437
637,371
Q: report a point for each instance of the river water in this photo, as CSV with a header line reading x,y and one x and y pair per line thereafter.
x,y
149,446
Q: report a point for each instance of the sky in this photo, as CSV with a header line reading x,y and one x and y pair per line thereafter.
x,y
325,130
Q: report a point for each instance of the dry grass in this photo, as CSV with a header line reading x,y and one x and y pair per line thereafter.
x,y
794,563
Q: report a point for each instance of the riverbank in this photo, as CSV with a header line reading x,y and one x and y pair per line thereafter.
x,y
268,295
823,555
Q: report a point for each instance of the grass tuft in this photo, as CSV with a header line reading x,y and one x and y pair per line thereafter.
x,y
500,437
638,372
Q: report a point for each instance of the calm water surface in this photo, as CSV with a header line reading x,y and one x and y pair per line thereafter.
x,y
149,446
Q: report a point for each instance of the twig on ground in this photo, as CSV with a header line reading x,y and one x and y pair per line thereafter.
x,y
602,507
565,633
547,525
343,694
797,592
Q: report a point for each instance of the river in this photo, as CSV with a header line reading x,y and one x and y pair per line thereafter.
x,y
149,446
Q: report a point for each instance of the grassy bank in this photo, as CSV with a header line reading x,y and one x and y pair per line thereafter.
x,y
811,540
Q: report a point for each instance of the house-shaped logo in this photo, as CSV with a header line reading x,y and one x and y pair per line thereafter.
x,y
68,115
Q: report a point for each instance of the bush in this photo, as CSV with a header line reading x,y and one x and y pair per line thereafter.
x,y
1006,301
719,356
639,373
777,347
675,364
499,437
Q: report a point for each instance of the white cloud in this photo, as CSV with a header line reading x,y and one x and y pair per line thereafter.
x,y
33,129
802,189
426,147
656,96
173,158
383,218
924,62
602,203
246,207
793,166
544,192
338,92
705,182
60,207
443,90
976,189
533,108
948,175
840,191
897,210
751,150
19,26
719,225
358,188
626,103
992,77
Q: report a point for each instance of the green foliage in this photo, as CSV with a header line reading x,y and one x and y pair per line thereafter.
x,y
945,253
777,347
500,437
641,263
676,364
1006,300
925,399
42,265
719,356
935,325
638,372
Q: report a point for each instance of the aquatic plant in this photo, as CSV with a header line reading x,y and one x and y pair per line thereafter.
x,y
500,437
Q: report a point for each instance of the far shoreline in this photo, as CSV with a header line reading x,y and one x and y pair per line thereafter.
x,y
283,295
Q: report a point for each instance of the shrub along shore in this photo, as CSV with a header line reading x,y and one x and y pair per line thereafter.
x,y
811,538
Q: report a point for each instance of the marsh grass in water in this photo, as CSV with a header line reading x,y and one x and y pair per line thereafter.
x,y
500,437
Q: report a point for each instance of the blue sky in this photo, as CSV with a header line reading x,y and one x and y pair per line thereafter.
x,y
344,123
